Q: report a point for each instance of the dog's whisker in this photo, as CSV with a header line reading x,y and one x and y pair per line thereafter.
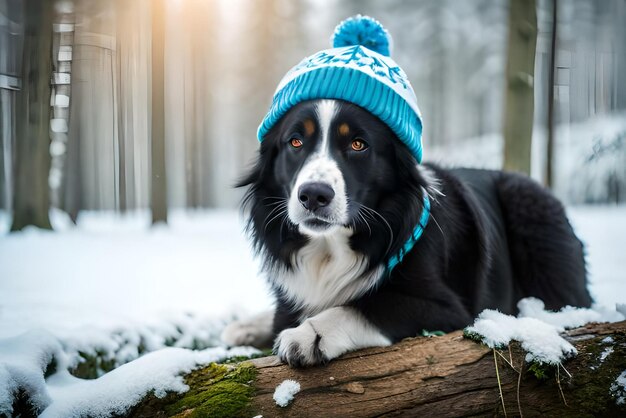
x,y
372,211
274,197
437,223
367,217
280,213
280,209
276,204
283,222
282,201
362,218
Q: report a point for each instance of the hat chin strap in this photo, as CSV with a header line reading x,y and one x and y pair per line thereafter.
x,y
395,259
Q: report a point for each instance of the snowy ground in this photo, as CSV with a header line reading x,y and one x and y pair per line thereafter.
x,y
113,285
603,231
113,271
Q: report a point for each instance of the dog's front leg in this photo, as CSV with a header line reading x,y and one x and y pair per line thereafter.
x,y
326,336
256,331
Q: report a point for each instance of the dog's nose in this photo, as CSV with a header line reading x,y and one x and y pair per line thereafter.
x,y
315,195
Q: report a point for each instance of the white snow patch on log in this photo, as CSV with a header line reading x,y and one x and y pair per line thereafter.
x,y
285,392
537,329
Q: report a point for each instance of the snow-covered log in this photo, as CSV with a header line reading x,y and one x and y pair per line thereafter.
x,y
437,376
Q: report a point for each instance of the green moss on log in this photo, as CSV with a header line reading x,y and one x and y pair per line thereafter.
x,y
596,375
542,371
93,366
217,390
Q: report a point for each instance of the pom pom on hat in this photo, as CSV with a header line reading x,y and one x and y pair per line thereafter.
x,y
365,31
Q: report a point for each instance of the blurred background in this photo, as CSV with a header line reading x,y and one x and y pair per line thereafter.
x,y
124,125
156,103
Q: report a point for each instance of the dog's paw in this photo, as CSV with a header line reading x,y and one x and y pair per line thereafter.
x,y
255,331
300,346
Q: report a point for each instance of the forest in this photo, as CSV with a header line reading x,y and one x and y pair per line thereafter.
x,y
222,59
125,125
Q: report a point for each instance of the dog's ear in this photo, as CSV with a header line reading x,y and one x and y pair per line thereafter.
x,y
252,175
260,168
406,163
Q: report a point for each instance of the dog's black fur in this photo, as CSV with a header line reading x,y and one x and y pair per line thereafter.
x,y
493,237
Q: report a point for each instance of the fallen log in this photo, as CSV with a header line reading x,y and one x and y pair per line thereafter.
x,y
437,376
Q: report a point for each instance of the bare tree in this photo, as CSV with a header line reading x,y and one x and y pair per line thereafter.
x,y
519,101
31,199
549,179
159,192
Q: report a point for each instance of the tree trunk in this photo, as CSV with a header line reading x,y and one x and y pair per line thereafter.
x,y
549,179
31,198
438,376
159,191
520,69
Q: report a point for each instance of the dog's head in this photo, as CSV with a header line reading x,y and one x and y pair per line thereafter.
x,y
333,160
329,165
346,162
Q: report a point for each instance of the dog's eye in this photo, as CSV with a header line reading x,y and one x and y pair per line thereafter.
x,y
295,142
358,145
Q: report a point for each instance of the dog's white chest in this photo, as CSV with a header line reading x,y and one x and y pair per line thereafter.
x,y
326,273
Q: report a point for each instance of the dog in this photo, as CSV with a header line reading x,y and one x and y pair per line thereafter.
x,y
363,247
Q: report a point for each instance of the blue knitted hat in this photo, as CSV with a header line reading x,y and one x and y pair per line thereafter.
x,y
357,69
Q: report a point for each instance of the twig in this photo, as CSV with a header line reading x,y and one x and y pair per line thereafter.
x,y
561,364
519,383
519,377
506,360
558,382
495,360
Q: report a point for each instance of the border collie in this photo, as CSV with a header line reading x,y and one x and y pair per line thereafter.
x,y
363,248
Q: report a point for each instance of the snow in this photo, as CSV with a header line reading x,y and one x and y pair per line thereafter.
x,y
537,329
151,302
113,270
590,156
285,391
540,340
115,289
567,317
618,389
115,392
23,361
25,358
607,352
603,231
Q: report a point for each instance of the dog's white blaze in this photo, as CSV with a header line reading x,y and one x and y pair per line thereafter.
x,y
341,330
326,111
321,167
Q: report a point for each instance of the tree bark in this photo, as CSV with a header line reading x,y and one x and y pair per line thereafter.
x,y
520,70
438,376
159,190
31,198
550,145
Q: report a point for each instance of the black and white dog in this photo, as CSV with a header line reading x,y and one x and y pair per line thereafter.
x,y
334,195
